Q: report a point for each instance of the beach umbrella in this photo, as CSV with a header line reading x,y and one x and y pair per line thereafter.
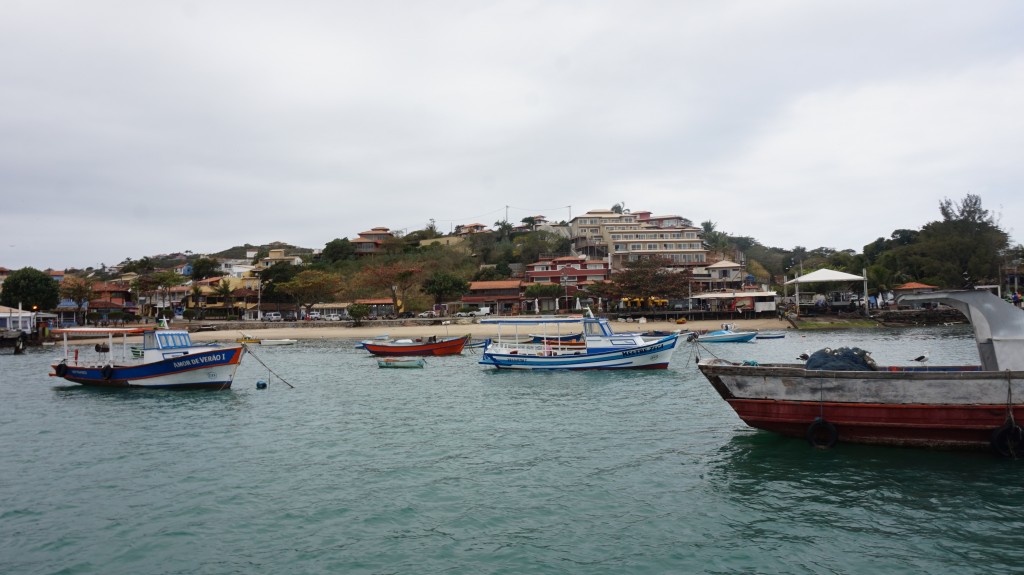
x,y
536,305
598,304
578,306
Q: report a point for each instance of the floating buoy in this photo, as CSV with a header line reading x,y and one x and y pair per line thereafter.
x,y
261,384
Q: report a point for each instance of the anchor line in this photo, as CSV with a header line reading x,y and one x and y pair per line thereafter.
x,y
260,361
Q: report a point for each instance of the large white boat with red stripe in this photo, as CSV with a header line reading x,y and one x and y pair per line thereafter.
x,y
974,406
168,360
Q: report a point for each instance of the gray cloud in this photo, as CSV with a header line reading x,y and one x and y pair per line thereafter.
x,y
129,129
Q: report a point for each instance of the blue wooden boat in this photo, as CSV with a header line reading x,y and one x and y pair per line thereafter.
x,y
167,360
726,336
601,348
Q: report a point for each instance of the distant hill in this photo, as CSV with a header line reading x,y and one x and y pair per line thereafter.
x,y
239,252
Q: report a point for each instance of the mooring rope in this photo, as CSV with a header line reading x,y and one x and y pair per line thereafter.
x,y
1009,399
254,356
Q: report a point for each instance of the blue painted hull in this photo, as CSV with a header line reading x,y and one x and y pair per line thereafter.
x,y
213,369
655,355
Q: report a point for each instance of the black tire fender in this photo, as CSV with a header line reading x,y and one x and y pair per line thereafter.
x,y
822,433
107,372
61,369
1008,440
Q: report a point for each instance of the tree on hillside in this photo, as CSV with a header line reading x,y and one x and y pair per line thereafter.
x,y
204,268
529,247
338,249
966,240
489,274
394,278
443,286
273,277
503,229
30,288
142,266
78,290
311,286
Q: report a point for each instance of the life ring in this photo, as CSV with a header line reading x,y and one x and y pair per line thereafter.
x,y
822,433
107,372
1008,440
61,369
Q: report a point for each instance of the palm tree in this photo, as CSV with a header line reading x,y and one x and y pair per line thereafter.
x,y
196,294
223,291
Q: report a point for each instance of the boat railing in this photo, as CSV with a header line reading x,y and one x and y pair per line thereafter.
x,y
531,348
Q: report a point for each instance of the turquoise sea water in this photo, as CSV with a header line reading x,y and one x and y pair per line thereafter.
x,y
458,469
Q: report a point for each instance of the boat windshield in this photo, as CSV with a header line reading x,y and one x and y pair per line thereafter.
x,y
596,327
164,339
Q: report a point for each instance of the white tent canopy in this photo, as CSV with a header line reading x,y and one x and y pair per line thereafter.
x,y
824,275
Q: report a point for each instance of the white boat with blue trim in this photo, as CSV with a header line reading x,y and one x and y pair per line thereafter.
x,y
169,360
601,348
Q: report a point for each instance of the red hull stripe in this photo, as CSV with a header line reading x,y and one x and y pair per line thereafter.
x,y
905,424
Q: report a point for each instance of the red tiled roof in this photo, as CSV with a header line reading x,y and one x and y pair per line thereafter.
x,y
497,284
915,285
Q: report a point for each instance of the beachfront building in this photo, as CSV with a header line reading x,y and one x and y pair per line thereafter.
x,y
572,273
624,237
502,296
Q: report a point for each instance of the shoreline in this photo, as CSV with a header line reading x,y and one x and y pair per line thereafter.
x,y
321,330
456,328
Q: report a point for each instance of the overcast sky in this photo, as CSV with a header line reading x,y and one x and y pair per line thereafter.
x,y
133,128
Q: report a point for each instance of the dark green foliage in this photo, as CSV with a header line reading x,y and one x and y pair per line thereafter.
x,y
32,289
203,268
443,286
274,276
548,290
358,312
338,250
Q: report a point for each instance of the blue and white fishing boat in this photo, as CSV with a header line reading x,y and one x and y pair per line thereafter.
x,y
726,335
168,360
601,348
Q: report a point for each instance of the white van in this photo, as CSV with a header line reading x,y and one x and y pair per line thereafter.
x,y
272,316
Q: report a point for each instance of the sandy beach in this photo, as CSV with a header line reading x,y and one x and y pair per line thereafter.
x,y
330,330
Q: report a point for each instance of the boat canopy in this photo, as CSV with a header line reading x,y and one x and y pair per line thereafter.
x,y
94,331
735,294
998,325
523,320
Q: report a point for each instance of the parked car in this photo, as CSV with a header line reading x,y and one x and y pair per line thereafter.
x,y
290,316
314,315
475,313
428,313
333,317
272,316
